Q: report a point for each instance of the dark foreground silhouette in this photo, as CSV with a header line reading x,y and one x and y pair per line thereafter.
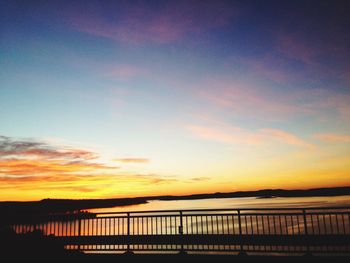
x,y
34,247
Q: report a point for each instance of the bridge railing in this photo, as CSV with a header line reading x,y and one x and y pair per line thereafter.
x,y
261,221
259,229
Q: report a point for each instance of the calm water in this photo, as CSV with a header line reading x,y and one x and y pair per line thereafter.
x,y
246,202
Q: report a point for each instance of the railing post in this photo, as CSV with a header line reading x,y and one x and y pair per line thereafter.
x,y
240,232
79,230
128,251
181,232
305,222
79,227
128,230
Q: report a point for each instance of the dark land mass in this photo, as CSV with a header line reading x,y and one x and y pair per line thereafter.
x,y
267,193
12,210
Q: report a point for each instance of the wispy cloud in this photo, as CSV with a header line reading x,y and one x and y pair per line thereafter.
x,y
245,98
293,47
140,23
234,135
332,137
29,157
31,165
230,135
10,148
200,179
251,99
285,137
132,160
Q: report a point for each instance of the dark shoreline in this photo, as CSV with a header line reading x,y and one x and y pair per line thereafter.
x,y
46,206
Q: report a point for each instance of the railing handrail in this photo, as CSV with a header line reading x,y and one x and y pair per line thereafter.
x,y
177,211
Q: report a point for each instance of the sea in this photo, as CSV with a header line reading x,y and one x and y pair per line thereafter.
x,y
233,203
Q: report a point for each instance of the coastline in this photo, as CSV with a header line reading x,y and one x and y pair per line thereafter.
x,y
49,206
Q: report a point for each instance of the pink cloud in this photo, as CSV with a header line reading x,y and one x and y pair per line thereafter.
x,y
234,135
294,47
248,99
167,23
331,137
226,135
285,137
234,97
132,160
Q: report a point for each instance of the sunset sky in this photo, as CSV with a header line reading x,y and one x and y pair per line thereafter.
x,y
102,99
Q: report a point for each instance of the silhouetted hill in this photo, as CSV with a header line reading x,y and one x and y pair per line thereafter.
x,y
266,193
23,210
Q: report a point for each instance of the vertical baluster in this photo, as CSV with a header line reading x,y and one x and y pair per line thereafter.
x,y
119,225
324,224
280,224
274,224
286,224
330,223
263,224
343,223
227,224
337,224
251,224
233,224
207,224
60,229
157,229
128,231
161,225
48,228
240,229
305,222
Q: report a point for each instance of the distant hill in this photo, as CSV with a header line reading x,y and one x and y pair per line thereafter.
x,y
50,206
336,191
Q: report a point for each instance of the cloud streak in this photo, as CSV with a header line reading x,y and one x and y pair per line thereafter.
x,y
165,23
235,135
332,137
31,165
285,137
231,135
10,148
132,160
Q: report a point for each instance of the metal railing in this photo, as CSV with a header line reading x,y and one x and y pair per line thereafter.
x,y
257,230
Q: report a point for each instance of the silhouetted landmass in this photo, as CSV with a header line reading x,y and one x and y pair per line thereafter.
x,y
59,209
337,191
16,212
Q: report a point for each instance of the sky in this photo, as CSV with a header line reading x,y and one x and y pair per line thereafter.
x,y
108,99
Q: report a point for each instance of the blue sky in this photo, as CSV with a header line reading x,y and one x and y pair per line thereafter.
x,y
200,89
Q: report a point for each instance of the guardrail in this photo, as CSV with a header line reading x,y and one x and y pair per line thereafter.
x,y
246,230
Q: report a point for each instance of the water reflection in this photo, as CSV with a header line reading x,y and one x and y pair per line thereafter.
x,y
246,202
